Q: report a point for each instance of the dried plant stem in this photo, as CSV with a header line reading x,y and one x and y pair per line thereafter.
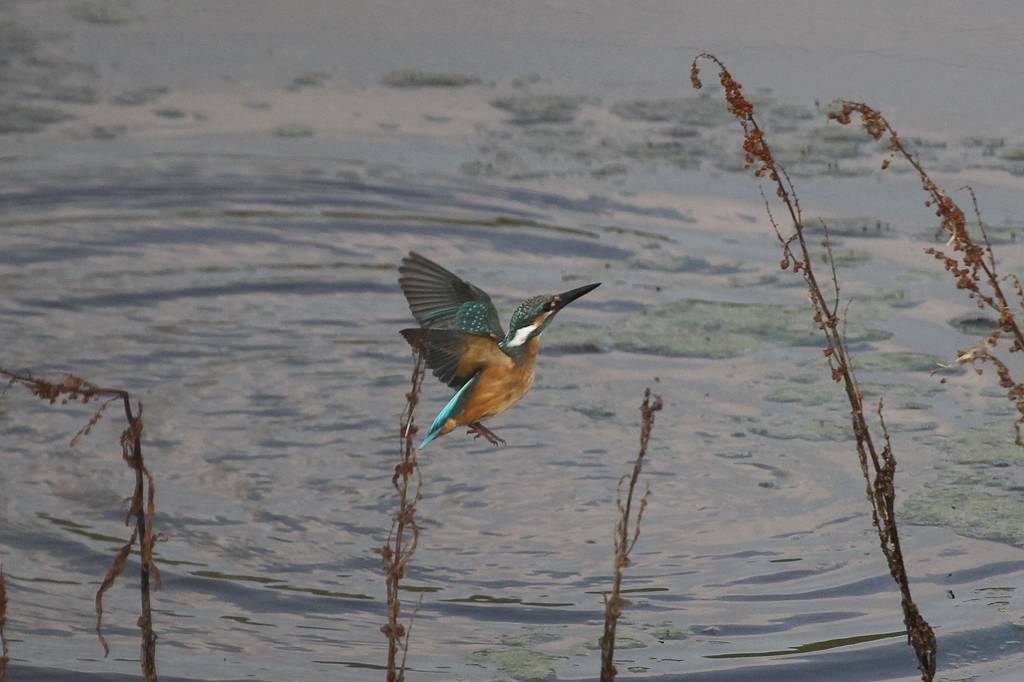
x,y
399,549
143,501
626,540
882,470
971,264
4,657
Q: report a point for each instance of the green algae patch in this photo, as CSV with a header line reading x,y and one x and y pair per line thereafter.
x,y
1013,154
799,379
703,110
978,324
414,78
761,281
873,390
662,262
669,631
520,664
846,257
897,361
528,110
849,227
170,112
104,12
1005,233
882,306
808,429
810,397
991,445
977,494
974,511
705,329
576,339
19,118
714,329
1000,407
289,130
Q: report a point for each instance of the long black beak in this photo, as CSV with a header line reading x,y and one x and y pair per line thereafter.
x,y
568,297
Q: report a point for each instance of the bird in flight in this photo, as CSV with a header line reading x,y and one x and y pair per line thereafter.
x,y
465,346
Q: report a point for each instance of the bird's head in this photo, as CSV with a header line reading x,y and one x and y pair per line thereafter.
x,y
534,314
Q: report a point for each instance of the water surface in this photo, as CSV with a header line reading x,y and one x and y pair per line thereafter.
x,y
223,243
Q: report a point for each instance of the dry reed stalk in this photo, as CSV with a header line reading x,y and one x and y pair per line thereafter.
x,y
879,477
624,540
971,264
398,551
4,654
143,500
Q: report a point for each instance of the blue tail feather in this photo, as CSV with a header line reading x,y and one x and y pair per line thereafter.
x,y
453,408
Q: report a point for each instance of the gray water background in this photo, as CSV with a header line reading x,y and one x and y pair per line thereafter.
x,y
206,204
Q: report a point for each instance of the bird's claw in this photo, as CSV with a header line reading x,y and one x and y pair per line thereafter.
x,y
478,430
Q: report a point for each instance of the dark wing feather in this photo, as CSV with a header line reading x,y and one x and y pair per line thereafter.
x,y
439,299
444,348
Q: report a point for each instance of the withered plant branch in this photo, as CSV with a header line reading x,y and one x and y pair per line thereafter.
x,y
972,264
142,507
877,464
981,226
625,539
4,654
408,632
399,549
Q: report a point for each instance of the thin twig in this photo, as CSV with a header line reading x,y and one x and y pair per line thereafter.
x,y
4,653
398,551
143,501
625,541
968,265
879,476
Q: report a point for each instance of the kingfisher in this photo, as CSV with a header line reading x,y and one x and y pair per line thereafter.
x,y
465,346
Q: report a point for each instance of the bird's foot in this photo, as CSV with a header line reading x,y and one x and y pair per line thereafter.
x,y
479,429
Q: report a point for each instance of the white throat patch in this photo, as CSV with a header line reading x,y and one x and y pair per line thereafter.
x,y
521,336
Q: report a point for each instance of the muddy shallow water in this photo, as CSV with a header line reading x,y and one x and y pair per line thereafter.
x,y
226,249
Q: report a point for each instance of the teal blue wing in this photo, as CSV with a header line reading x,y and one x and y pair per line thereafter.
x,y
452,409
439,299
444,349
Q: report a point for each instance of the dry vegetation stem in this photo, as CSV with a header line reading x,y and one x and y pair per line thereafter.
x,y
971,264
877,464
142,507
624,539
399,548
4,654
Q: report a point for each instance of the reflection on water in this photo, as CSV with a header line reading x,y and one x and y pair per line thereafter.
x,y
815,646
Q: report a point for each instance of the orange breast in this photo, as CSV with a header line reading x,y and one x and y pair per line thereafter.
x,y
501,385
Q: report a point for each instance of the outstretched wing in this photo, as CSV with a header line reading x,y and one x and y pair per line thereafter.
x,y
455,356
439,299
